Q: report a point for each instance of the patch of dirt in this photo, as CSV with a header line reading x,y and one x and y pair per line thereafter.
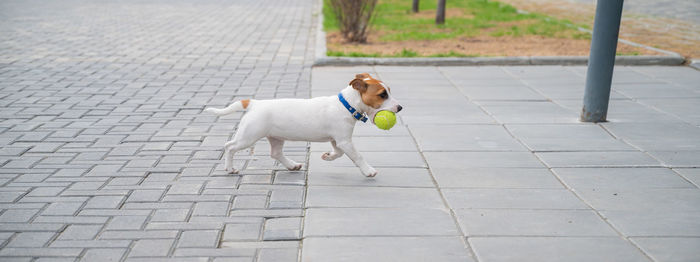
x,y
453,12
670,34
476,46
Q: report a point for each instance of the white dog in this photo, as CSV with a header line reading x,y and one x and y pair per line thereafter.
x,y
319,119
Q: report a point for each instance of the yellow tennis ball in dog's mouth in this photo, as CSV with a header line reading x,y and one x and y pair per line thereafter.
x,y
385,119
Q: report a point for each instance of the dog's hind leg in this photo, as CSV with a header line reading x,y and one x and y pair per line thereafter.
x,y
336,153
230,149
245,137
276,152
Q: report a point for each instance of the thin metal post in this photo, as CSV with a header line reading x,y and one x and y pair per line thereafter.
x,y
601,60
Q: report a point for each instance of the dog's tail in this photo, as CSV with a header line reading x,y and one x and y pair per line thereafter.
x,y
236,106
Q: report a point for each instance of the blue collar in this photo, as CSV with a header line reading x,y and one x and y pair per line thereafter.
x,y
357,115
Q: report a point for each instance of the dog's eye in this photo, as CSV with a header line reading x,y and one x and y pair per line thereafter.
x,y
384,95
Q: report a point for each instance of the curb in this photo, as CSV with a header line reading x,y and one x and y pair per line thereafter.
x,y
321,59
695,63
483,61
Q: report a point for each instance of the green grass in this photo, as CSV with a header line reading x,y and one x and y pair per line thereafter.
x,y
633,53
396,22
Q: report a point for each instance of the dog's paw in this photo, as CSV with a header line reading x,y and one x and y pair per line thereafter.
x,y
371,172
327,156
232,171
295,167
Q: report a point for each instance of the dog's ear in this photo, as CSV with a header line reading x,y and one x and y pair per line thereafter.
x,y
359,82
362,76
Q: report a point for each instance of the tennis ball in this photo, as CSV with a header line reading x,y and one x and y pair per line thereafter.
x,y
385,119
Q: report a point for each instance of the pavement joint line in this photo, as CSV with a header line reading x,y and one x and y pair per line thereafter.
x,y
453,215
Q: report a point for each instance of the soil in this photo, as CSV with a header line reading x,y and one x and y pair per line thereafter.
x,y
669,34
476,46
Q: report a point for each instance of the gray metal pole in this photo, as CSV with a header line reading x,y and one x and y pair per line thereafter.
x,y
601,60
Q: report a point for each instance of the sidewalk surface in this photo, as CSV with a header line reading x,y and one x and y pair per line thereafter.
x,y
492,164
105,154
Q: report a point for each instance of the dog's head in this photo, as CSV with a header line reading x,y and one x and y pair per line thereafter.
x,y
375,94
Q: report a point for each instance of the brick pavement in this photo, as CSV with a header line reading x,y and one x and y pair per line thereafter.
x,y
105,154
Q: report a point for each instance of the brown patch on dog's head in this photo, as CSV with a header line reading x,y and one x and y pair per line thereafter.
x,y
372,91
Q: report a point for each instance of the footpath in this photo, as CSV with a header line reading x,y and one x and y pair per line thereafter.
x,y
492,164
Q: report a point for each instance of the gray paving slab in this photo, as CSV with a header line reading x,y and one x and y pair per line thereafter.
x,y
374,143
669,249
529,112
483,159
385,249
336,196
678,158
565,137
642,223
464,138
325,222
667,137
555,249
598,159
691,174
685,108
513,198
678,199
390,177
621,178
455,177
377,159
509,222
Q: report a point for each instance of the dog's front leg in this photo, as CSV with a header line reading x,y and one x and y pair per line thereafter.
x,y
356,158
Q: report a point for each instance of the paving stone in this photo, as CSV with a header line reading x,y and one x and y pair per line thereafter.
x,y
555,249
211,209
104,254
331,196
126,223
621,178
679,199
151,234
62,208
390,177
482,159
278,254
669,249
667,223
31,239
242,232
323,222
170,215
245,202
40,252
678,158
80,232
510,222
465,138
203,238
512,198
18,215
151,248
104,202
455,177
284,228
385,249
145,196
597,159
565,137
